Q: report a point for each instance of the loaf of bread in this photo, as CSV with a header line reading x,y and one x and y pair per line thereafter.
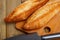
x,y
42,16
23,11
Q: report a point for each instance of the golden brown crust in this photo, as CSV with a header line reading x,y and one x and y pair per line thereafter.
x,y
24,10
42,16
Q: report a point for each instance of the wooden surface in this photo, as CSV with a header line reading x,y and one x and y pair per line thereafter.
x,y
53,26
6,7
2,15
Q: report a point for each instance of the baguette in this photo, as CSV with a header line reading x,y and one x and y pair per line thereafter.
x,y
23,11
42,16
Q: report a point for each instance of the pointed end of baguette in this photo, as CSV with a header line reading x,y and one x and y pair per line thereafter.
x,y
7,20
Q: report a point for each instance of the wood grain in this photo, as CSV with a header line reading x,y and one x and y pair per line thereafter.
x,y
53,25
2,16
6,7
11,31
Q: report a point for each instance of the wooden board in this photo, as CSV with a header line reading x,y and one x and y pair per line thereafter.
x,y
6,7
52,27
2,16
11,31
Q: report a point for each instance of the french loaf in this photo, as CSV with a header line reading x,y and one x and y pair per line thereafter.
x,y
42,16
23,11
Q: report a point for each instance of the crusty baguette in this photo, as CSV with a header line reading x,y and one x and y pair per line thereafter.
x,y
24,10
42,16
